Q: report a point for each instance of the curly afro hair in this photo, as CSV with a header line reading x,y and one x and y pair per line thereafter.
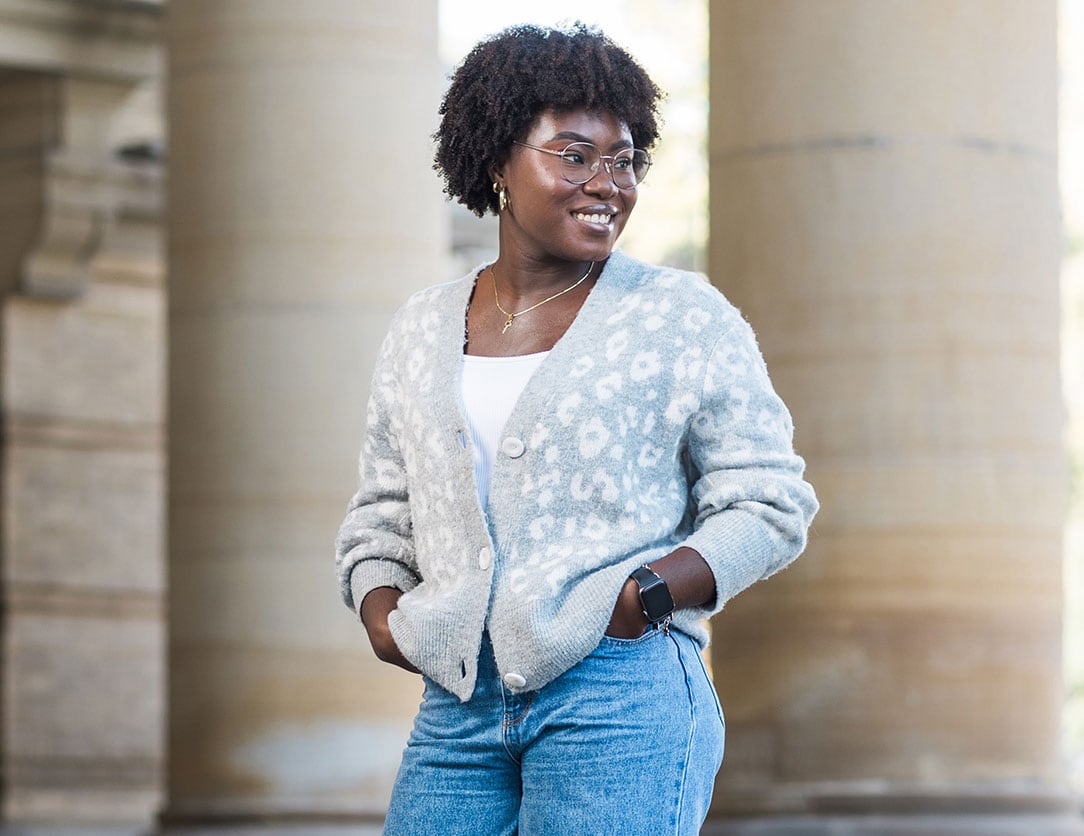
x,y
508,79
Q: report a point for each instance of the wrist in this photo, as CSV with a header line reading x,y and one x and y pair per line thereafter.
x,y
377,604
627,620
690,579
655,599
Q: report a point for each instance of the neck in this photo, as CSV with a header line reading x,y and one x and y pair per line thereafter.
x,y
524,281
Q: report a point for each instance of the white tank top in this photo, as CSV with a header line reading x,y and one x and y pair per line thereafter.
x,y
490,388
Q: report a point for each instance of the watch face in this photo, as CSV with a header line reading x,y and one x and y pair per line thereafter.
x,y
657,600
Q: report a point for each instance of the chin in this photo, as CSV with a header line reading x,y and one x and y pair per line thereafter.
x,y
598,249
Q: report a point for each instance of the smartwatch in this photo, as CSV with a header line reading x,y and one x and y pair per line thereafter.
x,y
655,598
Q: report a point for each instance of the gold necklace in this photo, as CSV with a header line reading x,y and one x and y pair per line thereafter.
x,y
512,316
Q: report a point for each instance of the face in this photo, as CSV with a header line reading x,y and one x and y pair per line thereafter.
x,y
551,219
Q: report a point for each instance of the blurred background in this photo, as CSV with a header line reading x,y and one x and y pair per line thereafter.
x,y
210,208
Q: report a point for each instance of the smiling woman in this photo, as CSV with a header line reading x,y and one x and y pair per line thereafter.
x,y
571,460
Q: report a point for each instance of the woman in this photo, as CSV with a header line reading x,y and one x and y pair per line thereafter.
x,y
571,460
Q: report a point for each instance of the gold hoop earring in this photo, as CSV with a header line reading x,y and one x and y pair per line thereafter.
x,y
502,196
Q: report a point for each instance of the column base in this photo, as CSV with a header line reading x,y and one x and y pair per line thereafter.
x,y
289,822
902,824
371,829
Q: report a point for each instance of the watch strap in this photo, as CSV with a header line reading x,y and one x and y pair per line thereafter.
x,y
655,599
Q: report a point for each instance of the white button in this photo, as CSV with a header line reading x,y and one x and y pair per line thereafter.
x,y
485,558
512,447
514,680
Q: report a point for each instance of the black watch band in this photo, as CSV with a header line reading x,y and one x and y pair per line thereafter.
x,y
655,598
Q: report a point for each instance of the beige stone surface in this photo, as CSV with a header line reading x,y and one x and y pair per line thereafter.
x,y
83,521
100,362
873,72
884,211
84,518
108,114
25,126
20,214
82,709
69,699
95,220
302,211
117,40
28,110
305,730
81,383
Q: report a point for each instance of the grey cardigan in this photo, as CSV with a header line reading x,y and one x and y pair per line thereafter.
x,y
651,425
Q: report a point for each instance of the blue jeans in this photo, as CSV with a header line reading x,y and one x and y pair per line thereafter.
x,y
626,742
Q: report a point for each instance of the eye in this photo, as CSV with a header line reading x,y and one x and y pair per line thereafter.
x,y
622,163
580,155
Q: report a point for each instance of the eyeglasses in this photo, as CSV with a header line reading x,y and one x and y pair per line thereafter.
x,y
580,161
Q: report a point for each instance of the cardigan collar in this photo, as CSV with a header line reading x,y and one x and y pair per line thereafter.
x,y
620,275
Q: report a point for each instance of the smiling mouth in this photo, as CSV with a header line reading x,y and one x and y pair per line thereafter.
x,y
594,219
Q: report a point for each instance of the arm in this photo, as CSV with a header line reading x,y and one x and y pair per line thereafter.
x,y
375,547
753,507
375,608
691,584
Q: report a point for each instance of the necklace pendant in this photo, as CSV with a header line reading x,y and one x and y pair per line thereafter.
x,y
508,324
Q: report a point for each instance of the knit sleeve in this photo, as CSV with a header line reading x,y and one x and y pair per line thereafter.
x,y
375,545
753,507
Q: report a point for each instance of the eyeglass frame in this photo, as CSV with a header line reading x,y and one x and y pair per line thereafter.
x,y
601,161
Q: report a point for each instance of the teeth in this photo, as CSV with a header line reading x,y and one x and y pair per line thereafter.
x,y
595,219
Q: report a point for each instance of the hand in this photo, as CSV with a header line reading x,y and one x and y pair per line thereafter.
x,y
375,609
628,620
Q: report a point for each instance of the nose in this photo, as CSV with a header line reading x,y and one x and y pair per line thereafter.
x,y
602,181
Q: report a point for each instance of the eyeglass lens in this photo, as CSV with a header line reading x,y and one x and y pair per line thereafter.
x,y
580,162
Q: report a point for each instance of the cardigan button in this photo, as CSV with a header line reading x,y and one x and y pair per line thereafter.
x,y
485,557
514,680
513,447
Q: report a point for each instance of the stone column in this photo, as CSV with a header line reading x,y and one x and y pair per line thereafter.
x,y
302,210
82,453
885,211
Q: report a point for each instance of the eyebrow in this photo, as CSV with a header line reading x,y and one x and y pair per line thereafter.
x,y
572,136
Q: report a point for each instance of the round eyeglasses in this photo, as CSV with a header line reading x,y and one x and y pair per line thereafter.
x,y
580,161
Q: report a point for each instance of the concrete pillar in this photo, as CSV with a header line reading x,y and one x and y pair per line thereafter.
x,y
82,454
302,210
884,209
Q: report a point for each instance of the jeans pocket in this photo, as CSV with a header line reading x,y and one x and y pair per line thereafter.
x,y
614,641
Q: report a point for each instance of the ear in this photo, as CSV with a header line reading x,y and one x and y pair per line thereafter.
x,y
496,175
